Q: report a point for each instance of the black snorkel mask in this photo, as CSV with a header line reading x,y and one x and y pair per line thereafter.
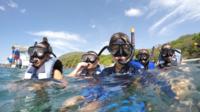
x,y
38,52
120,48
167,52
89,58
143,58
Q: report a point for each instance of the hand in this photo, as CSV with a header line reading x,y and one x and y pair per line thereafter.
x,y
82,65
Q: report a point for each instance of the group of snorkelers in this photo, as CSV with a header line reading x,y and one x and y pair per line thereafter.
x,y
45,65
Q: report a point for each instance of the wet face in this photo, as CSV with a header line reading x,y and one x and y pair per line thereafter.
x,y
167,53
91,59
143,57
92,65
38,62
37,55
119,59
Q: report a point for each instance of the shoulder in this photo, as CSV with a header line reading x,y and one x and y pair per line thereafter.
x,y
58,65
58,62
136,64
151,65
107,71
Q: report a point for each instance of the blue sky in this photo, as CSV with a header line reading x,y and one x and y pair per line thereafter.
x,y
81,25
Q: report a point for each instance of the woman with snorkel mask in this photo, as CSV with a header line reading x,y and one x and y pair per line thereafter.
x,y
89,65
169,56
88,68
122,52
143,57
42,64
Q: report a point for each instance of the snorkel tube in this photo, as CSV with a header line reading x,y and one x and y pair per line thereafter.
x,y
132,47
132,44
49,47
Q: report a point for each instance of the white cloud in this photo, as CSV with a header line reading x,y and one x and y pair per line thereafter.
x,y
178,11
62,42
133,12
164,3
63,45
60,35
2,8
23,10
12,4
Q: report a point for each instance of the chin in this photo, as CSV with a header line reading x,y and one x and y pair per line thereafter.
x,y
36,64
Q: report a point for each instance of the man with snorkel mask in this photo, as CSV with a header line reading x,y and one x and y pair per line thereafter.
x,y
121,50
89,65
143,58
169,56
42,64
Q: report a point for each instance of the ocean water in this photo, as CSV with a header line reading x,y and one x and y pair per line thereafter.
x,y
110,95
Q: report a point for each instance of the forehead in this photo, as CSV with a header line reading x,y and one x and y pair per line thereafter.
x,y
41,45
167,46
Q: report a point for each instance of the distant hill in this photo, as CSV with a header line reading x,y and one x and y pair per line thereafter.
x,y
185,43
71,59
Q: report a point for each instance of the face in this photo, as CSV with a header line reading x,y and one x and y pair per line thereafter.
x,y
119,59
38,62
38,55
92,65
167,53
143,58
91,59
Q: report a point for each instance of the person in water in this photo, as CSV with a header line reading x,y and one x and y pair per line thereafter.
x,y
88,67
121,50
169,56
143,58
42,64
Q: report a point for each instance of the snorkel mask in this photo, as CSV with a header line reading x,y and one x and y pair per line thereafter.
x,y
167,52
37,51
89,58
120,46
143,56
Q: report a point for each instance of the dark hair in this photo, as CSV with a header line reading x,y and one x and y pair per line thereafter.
x,y
165,45
119,35
92,52
45,42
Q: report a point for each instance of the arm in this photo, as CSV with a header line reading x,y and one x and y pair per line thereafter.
x,y
57,73
77,71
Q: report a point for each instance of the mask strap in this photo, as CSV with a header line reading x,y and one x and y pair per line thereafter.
x,y
105,47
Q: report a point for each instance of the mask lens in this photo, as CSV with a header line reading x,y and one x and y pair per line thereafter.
x,y
120,49
89,58
30,51
36,52
126,49
114,48
143,56
40,52
167,52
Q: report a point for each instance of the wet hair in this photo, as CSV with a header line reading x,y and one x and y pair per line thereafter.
x,y
119,35
143,51
45,42
166,44
92,52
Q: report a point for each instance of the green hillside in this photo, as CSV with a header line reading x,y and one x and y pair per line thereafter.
x,y
185,43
